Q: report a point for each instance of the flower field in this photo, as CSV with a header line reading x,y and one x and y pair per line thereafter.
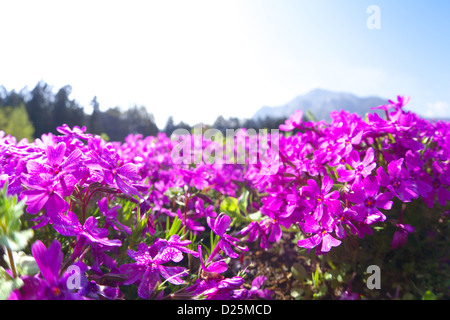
x,y
85,218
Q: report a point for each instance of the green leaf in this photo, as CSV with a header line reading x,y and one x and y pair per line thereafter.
x,y
25,265
331,264
408,296
243,201
16,240
296,293
255,216
322,292
316,278
429,296
298,271
230,205
10,212
310,116
8,284
327,276
174,192
174,228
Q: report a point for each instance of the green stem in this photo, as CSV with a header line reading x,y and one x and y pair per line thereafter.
x,y
11,262
185,211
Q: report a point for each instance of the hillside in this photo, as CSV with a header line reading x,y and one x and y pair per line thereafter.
x,y
321,102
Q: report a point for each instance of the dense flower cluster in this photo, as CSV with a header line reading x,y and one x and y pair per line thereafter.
x,y
344,176
127,216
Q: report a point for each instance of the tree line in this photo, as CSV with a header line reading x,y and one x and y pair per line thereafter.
x,y
31,113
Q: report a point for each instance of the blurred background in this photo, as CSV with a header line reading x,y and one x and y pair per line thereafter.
x,y
120,67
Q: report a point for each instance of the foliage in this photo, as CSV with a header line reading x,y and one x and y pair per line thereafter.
x,y
41,110
13,239
15,122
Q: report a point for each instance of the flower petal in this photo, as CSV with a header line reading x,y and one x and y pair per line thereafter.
x,y
148,283
56,155
173,274
130,171
35,200
327,242
311,242
225,246
221,224
48,260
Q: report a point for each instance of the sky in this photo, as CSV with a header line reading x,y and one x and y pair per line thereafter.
x,y
195,60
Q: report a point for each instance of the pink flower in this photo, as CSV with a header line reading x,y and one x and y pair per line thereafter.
x,y
400,237
361,169
322,234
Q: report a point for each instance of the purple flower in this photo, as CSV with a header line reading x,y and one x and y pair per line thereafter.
x,y
401,102
367,201
174,243
57,163
401,236
111,216
225,289
219,266
51,286
348,295
191,223
361,169
148,269
326,152
293,121
275,232
279,212
422,181
363,229
90,289
197,177
397,181
319,198
202,211
257,292
219,226
322,234
69,226
121,175
47,192
402,124
344,217
257,230
75,132
344,145
440,185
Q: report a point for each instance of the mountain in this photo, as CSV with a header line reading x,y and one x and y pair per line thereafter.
x,y
321,102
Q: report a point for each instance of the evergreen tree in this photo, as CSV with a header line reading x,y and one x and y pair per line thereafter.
x,y
169,128
3,94
60,113
66,111
113,126
75,114
250,124
221,124
138,120
40,107
95,125
13,99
